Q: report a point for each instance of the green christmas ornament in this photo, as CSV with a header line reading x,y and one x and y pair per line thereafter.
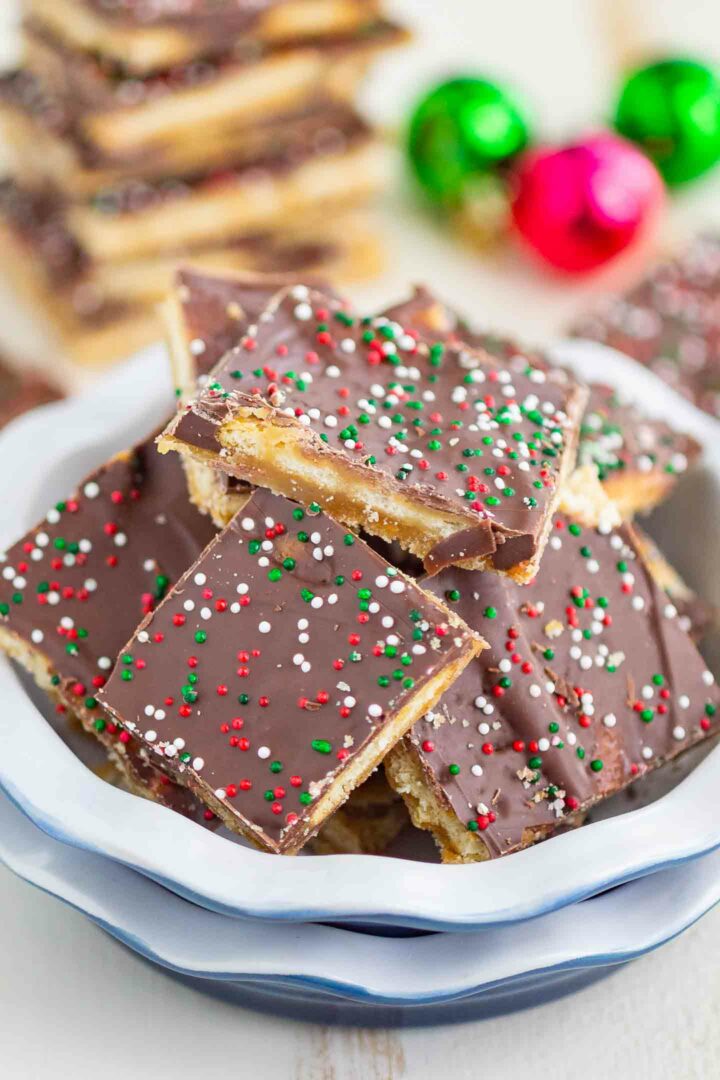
x,y
671,109
461,128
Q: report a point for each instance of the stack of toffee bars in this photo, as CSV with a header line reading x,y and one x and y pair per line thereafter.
x,y
144,130
363,541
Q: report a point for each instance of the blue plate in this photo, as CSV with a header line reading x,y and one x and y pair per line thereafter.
x,y
323,973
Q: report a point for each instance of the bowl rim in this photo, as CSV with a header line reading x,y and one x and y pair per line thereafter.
x,y
56,791
342,964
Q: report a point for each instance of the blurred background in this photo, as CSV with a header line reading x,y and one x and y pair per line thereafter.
x,y
564,61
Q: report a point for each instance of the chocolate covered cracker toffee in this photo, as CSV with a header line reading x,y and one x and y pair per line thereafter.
x,y
670,322
589,682
441,447
638,458
277,673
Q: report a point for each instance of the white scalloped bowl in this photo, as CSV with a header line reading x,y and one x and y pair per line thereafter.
x,y
58,444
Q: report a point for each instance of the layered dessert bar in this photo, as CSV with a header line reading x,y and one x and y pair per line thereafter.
x,y
639,458
145,37
589,683
281,668
670,322
454,454
103,310
119,113
46,146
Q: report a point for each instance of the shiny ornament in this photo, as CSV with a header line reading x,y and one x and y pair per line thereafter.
x,y
462,128
580,205
672,110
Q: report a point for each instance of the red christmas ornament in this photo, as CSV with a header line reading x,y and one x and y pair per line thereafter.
x,y
580,205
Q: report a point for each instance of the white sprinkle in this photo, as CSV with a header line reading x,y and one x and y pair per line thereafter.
x,y
263,752
91,490
200,578
198,763
609,720
264,627
679,733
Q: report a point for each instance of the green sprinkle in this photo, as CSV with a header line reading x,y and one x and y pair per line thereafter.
x,y
322,746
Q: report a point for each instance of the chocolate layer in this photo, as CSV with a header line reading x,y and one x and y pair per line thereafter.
x,y
670,322
280,657
450,426
589,683
615,436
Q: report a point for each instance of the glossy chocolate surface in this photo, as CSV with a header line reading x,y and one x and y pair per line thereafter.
x,y
589,683
284,651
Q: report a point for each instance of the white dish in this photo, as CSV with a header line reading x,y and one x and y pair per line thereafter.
x,y
358,977
57,445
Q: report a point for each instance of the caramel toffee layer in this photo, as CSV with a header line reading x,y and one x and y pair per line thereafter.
x,y
614,436
443,425
588,683
670,322
271,676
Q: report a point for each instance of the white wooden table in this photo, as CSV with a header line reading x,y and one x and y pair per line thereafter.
x,y
72,1002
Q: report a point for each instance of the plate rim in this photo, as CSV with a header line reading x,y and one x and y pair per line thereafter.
x,y
162,928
